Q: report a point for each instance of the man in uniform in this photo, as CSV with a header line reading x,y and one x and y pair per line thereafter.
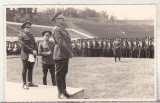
x,y
79,48
74,46
89,48
28,53
104,48
130,48
94,42
45,49
62,52
99,48
151,48
117,48
84,49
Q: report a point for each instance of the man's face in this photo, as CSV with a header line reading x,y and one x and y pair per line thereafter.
x,y
46,36
61,22
27,29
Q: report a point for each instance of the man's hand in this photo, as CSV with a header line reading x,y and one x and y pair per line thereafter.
x,y
49,53
34,52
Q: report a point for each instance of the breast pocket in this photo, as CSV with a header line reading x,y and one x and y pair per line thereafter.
x,y
26,38
45,49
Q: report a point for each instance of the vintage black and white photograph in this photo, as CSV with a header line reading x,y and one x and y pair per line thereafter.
x,y
80,52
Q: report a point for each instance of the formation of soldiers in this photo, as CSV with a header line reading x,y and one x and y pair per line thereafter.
x,y
102,47
13,48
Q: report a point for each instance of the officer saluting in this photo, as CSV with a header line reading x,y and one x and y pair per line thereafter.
x,y
28,53
62,52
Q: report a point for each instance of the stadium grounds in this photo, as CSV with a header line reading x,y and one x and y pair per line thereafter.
x,y
101,77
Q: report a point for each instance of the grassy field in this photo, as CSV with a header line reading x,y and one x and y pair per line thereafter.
x,y
101,78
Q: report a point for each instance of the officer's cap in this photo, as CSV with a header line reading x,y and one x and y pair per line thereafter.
x,y
26,25
46,31
58,15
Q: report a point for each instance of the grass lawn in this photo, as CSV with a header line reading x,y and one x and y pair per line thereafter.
x,y
101,78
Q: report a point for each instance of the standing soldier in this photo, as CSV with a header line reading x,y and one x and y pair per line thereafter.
x,y
28,53
74,46
99,48
84,49
79,47
134,48
89,48
62,52
130,47
15,48
151,47
117,48
104,48
146,48
140,49
109,49
123,48
45,49
10,48
127,47
94,48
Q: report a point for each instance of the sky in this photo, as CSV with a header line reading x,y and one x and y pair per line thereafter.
x,y
130,12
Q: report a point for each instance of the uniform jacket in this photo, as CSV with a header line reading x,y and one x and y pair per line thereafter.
x,y
116,46
27,43
43,48
63,45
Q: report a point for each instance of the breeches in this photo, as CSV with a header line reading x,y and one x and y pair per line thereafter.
x,y
27,66
61,68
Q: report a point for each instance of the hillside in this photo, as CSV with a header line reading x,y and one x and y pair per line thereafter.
x,y
111,30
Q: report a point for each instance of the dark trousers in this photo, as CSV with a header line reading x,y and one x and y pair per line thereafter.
x,y
94,53
27,66
84,52
61,68
117,54
104,52
99,52
89,52
51,68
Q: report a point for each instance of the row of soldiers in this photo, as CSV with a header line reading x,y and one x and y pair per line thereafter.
x,y
103,47
13,48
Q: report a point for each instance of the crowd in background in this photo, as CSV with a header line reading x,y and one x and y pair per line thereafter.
x,y
102,47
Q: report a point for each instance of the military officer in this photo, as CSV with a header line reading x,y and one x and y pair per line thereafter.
x,y
117,48
45,49
28,53
62,52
